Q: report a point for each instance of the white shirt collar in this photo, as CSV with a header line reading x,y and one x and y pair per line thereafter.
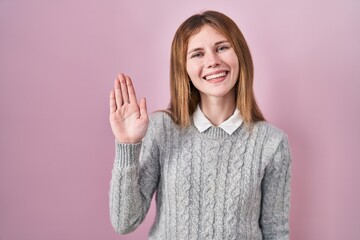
x,y
229,125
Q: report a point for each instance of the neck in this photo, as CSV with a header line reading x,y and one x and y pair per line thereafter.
x,y
217,109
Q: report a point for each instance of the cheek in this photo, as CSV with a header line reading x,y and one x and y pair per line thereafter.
x,y
234,61
235,66
191,70
188,70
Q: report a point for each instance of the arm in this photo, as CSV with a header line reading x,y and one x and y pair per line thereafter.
x,y
134,180
274,219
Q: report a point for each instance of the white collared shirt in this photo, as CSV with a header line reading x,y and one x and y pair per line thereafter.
x,y
229,125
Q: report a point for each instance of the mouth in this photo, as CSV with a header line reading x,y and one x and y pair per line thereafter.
x,y
216,76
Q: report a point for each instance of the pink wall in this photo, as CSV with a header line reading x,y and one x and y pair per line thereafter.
x,y
57,64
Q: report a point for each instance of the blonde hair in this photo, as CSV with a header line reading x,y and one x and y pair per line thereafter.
x,y
184,96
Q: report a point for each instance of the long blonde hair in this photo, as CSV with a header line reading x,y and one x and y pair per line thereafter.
x,y
184,96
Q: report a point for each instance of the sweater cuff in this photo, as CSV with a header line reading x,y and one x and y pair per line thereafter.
x,y
126,154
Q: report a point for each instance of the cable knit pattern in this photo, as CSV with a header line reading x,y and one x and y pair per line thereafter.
x,y
183,184
209,185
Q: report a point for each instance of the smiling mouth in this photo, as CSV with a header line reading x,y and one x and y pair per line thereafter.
x,y
215,76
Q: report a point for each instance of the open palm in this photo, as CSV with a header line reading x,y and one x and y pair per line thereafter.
x,y
128,119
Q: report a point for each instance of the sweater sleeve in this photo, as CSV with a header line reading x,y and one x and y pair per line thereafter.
x,y
275,205
135,177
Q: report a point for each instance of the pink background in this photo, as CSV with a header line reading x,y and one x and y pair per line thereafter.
x,y
58,60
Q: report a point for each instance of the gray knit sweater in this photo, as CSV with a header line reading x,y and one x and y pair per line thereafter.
x,y
208,185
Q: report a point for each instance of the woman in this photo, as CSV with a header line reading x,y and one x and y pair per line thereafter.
x,y
220,171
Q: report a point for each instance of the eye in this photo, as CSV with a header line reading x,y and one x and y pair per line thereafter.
x,y
222,48
197,55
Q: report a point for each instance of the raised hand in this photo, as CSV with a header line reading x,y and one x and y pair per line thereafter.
x,y
128,119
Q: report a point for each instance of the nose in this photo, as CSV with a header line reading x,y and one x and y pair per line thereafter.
x,y
212,60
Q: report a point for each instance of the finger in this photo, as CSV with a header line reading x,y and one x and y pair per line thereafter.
x,y
131,90
124,90
112,101
118,97
143,108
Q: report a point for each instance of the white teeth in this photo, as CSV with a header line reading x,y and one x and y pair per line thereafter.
x,y
215,76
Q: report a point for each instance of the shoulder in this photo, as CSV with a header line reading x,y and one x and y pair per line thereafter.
x,y
269,130
160,117
161,127
272,136
161,121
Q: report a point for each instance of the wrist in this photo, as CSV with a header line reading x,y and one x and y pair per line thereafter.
x,y
127,140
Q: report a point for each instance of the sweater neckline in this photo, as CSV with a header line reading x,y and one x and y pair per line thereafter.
x,y
215,132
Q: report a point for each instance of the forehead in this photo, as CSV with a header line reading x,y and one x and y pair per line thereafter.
x,y
206,35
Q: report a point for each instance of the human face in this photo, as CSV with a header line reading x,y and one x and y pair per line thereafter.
x,y
212,64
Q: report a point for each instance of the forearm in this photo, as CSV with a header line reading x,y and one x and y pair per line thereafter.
x,y
128,206
134,180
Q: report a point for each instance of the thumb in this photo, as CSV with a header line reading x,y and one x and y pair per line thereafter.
x,y
143,108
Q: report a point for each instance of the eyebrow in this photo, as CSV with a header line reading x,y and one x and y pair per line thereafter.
x,y
217,43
